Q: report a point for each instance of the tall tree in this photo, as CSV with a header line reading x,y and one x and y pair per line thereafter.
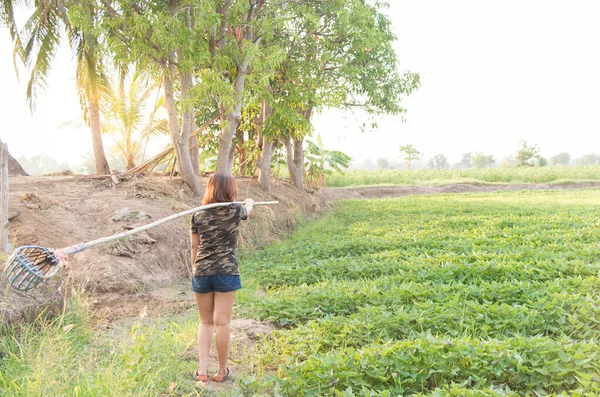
x,y
166,39
526,154
410,154
251,49
340,55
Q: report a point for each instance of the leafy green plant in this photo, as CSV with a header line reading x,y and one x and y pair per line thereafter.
x,y
321,162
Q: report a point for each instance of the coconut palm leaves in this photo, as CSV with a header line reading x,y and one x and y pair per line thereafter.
x,y
126,115
38,42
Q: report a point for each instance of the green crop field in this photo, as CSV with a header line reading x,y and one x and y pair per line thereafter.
x,y
557,174
492,294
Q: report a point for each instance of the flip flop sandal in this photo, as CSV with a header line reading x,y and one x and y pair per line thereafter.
x,y
219,379
200,378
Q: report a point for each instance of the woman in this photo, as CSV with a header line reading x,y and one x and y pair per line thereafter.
x,y
214,235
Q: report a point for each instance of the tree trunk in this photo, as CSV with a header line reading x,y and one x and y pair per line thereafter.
x,y
195,155
130,163
266,152
295,161
100,164
233,119
231,158
241,151
194,150
181,140
289,159
264,164
299,162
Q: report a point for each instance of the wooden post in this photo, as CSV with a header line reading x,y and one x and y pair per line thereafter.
x,y
4,199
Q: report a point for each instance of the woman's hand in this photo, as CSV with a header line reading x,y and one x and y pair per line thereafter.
x,y
249,204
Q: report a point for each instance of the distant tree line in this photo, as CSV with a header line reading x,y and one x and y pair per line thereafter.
x,y
525,156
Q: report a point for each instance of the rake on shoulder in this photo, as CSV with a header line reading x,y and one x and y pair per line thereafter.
x,y
30,266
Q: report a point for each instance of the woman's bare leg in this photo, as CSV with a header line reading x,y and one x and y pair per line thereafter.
x,y
205,303
223,305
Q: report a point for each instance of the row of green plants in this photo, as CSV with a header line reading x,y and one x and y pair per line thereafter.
x,y
474,294
530,365
438,239
570,311
556,174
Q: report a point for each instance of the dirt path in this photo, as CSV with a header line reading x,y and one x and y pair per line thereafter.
x,y
333,194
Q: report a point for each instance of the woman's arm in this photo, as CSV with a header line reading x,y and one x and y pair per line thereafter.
x,y
195,242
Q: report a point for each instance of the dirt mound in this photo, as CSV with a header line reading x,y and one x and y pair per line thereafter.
x,y
58,211
333,194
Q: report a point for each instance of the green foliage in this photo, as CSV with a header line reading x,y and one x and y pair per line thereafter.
x,y
526,154
410,153
438,295
68,357
528,365
383,163
125,106
562,158
42,164
480,160
321,162
483,175
466,161
438,162
589,159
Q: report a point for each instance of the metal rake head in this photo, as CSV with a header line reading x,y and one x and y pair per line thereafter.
x,y
30,266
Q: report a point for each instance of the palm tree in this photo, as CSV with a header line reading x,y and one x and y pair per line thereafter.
x,y
123,114
37,45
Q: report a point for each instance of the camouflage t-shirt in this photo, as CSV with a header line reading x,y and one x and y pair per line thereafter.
x,y
217,230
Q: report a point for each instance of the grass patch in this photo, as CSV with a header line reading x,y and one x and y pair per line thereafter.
x,y
556,174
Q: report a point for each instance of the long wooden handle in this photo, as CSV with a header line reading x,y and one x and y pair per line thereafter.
x,y
80,247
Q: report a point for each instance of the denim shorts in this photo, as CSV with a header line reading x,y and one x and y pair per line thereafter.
x,y
218,283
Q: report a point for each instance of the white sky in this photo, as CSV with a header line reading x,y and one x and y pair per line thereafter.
x,y
492,72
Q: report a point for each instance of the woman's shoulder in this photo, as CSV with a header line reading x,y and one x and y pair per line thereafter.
x,y
218,210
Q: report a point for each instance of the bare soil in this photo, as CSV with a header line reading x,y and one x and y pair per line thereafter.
x,y
333,194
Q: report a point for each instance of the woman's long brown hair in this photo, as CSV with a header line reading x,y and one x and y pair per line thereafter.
x,y
221,188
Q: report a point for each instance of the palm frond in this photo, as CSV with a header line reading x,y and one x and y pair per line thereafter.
x,y
42,45
7,16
